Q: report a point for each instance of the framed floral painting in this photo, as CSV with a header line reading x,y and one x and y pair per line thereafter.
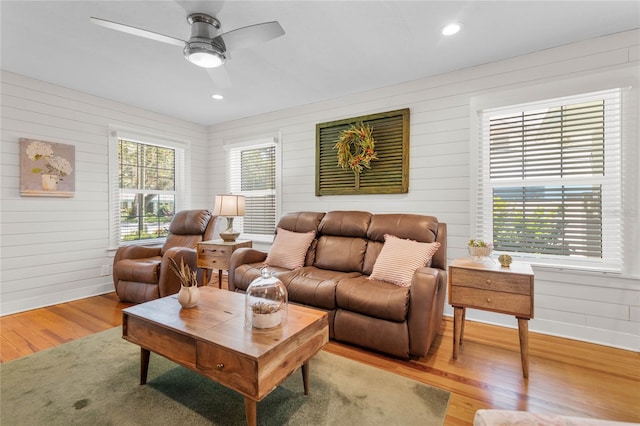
x,y
47,169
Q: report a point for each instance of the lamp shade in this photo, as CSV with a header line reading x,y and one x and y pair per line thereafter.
x,y
229,205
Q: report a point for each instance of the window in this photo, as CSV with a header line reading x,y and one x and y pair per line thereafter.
x,y
147,179
549,180
147,186
252,173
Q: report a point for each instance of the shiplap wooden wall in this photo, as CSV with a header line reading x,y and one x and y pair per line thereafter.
x,y
587,306
53,249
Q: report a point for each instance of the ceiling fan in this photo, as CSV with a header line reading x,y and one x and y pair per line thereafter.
x,y
206,48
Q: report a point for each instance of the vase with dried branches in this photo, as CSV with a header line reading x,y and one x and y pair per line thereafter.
x,y
189,293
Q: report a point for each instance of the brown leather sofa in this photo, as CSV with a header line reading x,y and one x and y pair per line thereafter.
x,y
141,273
400,321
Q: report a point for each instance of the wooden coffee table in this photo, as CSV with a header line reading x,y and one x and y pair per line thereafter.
x,y
211,339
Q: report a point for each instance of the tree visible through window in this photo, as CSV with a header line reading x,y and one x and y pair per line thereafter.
x,y
147,181
548,174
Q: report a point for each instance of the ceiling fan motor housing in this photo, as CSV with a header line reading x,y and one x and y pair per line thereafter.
x,y
203,42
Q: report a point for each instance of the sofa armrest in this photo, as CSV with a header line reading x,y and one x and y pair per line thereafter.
x,y
242,256
426,306
169,282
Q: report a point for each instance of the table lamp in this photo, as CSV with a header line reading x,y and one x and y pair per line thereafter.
x,y
229,206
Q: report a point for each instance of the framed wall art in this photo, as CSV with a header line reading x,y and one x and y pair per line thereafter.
x,y
363,155
47,169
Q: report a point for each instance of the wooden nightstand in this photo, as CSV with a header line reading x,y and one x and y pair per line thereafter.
x,y
215,254
491,287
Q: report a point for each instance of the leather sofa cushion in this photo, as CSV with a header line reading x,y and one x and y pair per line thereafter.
x,y
373,298
408,226
300,221
384,336
144,270
340,253
314,287
246,273
345,223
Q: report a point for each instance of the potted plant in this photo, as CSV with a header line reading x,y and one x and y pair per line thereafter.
x,y
266,315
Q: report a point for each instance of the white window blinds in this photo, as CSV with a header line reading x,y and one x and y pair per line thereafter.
x,y
550,180
252,173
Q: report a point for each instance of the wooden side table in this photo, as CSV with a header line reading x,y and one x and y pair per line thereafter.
x,y
491,287
216,254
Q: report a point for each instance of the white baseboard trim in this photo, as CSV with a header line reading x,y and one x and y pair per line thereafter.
x,y
612,338
41,301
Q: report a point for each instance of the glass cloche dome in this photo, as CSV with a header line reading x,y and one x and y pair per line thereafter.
x,y
265,302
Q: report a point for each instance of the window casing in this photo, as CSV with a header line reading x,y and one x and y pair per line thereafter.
x,y
147,186
549,180
252,170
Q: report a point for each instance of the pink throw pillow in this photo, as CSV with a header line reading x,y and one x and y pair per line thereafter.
x,y
289,249
399,259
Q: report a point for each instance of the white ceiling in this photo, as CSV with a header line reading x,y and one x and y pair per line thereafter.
x,y
330,49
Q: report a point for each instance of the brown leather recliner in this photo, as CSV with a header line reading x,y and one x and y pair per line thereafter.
x,y
142,273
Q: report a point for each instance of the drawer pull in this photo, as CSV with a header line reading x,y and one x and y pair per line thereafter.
x,y
219,366
489,282
488,300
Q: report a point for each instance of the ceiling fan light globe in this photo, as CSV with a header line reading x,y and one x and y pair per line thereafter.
x,y
203,55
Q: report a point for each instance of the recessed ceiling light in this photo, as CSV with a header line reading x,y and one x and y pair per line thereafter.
x,y
217,97
451,29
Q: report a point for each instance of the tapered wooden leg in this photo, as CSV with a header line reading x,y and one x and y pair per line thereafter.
x,y
219,278
458,324
144,365
305,377
251,411
523,333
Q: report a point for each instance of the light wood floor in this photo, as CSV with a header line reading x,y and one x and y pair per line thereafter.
x,y
566,376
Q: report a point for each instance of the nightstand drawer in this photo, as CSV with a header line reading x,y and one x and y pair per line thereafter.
x,y
508,303
494,281
214,251
213,262
216,255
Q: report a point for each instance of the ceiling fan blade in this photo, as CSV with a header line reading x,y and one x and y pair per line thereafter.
x,y
137,31
220,77
244,37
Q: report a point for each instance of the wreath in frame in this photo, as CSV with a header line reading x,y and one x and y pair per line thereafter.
x,y
356,148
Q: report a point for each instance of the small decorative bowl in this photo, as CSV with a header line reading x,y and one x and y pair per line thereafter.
x,y
480,251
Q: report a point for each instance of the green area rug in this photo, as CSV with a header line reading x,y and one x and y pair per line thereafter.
x,y
94,381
